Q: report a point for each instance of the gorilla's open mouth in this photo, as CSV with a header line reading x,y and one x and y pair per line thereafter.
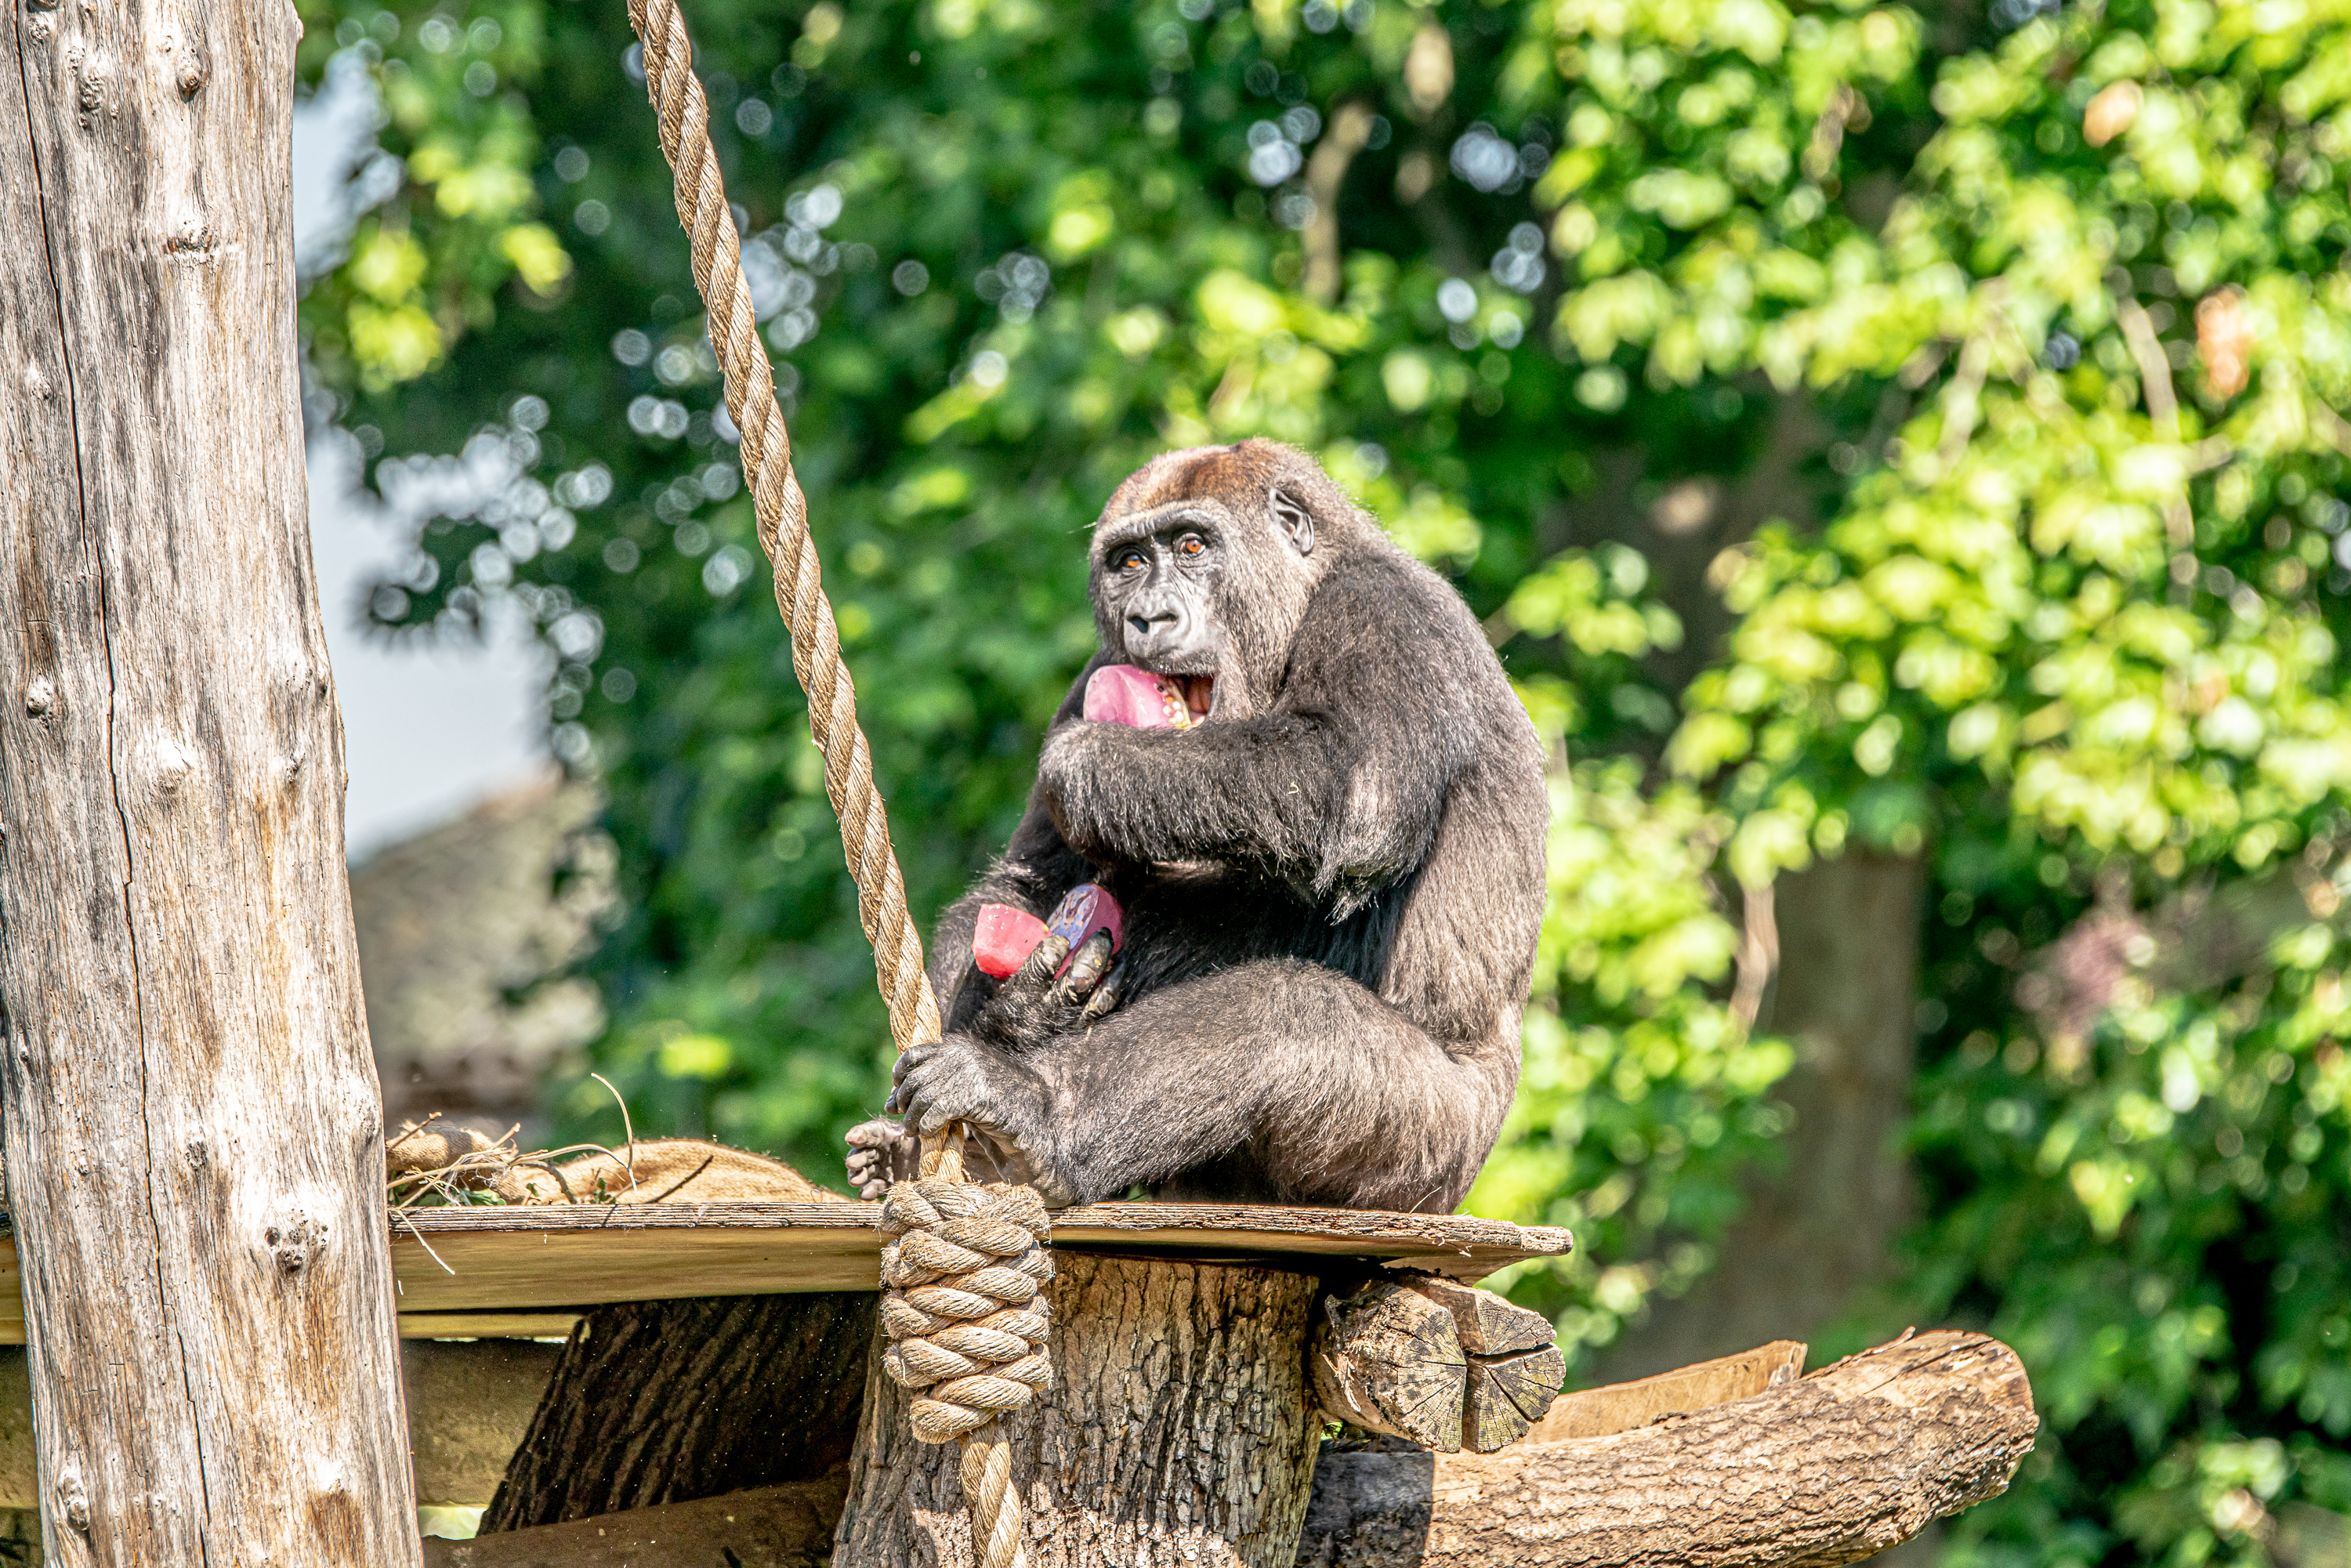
x,y
1197,691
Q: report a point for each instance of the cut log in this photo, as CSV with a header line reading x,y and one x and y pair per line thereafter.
x,y
1387,1359
1175,1433
191,1113
1818,1471
1621,1406
662,1402
1813,1473
771,1527
1437,1363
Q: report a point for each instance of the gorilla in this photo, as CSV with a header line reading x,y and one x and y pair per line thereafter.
x,y
1331,884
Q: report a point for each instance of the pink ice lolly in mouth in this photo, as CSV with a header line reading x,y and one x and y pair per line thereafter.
x,y
1122,694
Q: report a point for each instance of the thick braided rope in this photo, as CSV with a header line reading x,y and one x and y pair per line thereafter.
x,y
782,510
978,1333
963,1273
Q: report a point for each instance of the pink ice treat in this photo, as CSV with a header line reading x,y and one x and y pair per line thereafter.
x,y
1004,938
1120,693
1084,910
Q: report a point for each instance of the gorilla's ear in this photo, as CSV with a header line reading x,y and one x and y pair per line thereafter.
x,y
1297,523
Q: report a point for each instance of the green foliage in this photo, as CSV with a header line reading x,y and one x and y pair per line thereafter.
x,y
2049,316
1642,1108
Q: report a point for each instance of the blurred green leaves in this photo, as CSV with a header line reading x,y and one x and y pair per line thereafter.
x,y
2004,356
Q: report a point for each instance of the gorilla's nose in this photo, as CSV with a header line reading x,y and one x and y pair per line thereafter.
x,y
1157,630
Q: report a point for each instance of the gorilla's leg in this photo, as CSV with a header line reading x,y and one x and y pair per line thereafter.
x,y
1289,1072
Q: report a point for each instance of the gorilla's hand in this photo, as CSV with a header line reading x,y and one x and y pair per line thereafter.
x,y
880,1151
1008,1103
1033,1006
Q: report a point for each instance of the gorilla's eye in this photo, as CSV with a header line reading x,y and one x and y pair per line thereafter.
x,y
1129,560
1190,545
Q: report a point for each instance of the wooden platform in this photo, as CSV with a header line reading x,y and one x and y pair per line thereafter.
x,y
489,1272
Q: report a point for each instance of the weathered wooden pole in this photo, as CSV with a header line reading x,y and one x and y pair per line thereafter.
x,y
193,1142
1178,1432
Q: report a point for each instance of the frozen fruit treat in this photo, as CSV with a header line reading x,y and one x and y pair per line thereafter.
x,y
1120,693
1005,936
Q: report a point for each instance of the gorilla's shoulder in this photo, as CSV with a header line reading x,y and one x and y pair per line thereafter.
x,y
1377,593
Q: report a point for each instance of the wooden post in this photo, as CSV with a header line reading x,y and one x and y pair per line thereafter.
x,y
1178,1432
193,1131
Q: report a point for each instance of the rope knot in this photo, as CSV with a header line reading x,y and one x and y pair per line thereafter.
x,y
964,1270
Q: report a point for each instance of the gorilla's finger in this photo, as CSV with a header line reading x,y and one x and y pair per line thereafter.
x,y
874,1133
1106,995
1085,970
929,1120
895,1105
1034,978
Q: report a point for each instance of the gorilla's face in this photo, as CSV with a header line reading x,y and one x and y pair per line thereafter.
x,y
1159,579
1202,565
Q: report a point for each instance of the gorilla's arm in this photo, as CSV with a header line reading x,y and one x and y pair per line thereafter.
x,y
1293,1081
1338,789
1035,869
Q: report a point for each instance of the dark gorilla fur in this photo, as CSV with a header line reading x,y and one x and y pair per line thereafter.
x,y
1331,885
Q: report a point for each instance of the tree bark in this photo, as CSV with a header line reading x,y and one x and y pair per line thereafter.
x,y
1819,1232
659,1402
196,1153
1175,1433
1825,1470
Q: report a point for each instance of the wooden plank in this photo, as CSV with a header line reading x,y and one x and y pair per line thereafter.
x,y
503,1268
503,1261
556,1324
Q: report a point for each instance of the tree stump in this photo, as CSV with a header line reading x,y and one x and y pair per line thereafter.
x,y
1177,1432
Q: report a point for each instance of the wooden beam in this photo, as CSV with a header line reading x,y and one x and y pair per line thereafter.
x,y
520,1265
189,1103
1621,1406
773,1527
469,1403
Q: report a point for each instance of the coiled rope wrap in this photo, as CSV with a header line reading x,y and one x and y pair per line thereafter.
x,y
968,1293
963,1272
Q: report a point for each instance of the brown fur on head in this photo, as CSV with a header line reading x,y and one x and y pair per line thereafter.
x,y
1253,495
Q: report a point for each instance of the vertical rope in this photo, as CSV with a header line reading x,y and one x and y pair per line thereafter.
x,y
782,511
767,453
